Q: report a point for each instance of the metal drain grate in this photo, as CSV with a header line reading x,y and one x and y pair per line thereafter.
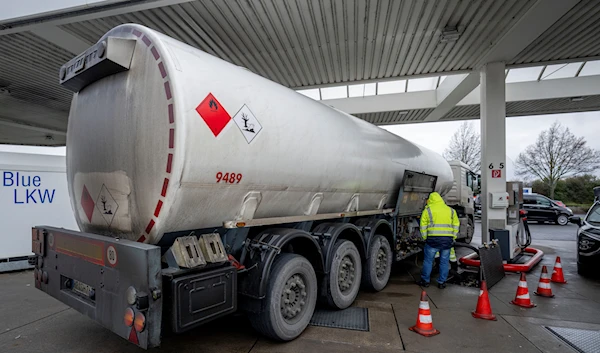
x,y
583,341
353,318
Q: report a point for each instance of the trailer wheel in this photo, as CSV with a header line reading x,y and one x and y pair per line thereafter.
x,y
344,277
378,266
291,298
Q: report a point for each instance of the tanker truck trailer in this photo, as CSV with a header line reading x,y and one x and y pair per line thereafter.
x,y
201,188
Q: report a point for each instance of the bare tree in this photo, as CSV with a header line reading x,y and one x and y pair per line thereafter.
x,y
465,146
556,154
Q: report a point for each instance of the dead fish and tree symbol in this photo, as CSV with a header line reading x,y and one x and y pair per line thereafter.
x,y
247,127
107,210
106,204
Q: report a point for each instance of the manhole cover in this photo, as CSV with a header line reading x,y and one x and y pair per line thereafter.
x,y
584,341
353,318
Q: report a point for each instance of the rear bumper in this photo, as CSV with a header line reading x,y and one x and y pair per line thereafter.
x,y
69,261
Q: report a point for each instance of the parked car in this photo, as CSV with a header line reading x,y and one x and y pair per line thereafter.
x,y
477,203
542,209
588,239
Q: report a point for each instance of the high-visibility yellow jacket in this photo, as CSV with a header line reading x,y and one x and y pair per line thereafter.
x,y
439,220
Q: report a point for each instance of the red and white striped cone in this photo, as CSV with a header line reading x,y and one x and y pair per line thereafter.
x,y
424,324
544,289
484,309
522,298
557,272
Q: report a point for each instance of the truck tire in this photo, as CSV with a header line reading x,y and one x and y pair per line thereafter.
x,y
377,269
470,230
345,273
290,301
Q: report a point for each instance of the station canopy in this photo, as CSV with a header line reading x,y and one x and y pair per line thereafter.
x,y
385,61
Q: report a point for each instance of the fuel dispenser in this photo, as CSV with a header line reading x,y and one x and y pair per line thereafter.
x,y
515,238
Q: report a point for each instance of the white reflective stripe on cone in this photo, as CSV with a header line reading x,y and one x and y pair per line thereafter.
x,y
558,265
522,284
545,276
424,305
480,292
426,319
544,285
524,296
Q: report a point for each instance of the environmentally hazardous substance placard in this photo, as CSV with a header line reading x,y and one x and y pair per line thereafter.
x,y
248,123
213,114
106,204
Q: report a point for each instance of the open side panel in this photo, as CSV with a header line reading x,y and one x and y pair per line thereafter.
x,y
93,274
414,193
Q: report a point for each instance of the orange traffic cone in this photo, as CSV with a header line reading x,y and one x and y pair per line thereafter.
x,y
522,298
484,309
424,324
557,273
544,288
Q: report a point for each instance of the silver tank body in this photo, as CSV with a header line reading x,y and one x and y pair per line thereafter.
x,y
143,162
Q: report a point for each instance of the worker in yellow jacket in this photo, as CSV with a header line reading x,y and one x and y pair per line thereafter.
x,y
439,228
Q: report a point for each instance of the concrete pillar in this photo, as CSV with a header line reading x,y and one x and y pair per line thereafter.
x,y
493,144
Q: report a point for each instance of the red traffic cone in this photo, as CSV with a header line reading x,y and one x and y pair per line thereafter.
x,y
557,272
484,309
522,298
544,289
424,324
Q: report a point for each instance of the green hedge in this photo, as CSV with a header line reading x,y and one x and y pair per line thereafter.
x,y
577,190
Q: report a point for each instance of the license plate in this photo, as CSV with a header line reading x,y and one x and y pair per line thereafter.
x,y
79,63
82,288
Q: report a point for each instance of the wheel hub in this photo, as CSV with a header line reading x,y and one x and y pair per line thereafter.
x,y
562,220
346,274
381,263
293,297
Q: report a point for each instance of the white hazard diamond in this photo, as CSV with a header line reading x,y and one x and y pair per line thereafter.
x,y
247,122
106,204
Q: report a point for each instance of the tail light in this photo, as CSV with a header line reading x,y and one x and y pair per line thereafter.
x,y
140,322
128,318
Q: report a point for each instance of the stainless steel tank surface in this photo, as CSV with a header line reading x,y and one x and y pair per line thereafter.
x,y
184,140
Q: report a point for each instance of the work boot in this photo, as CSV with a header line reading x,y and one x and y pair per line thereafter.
x,y
423,283
441,285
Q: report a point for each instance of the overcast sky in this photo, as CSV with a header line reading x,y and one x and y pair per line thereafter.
x,y
520,132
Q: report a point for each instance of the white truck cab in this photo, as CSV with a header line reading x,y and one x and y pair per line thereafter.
x,y
460,197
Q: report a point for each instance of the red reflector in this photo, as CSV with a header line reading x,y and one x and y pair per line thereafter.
x,y
133,337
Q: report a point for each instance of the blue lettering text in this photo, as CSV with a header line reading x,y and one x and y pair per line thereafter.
x,y
17,201
46,195
30,195
8,177
37,181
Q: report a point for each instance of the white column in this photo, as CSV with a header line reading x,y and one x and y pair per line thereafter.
x,y
493,144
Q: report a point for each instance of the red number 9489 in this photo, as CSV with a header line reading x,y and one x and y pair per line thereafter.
x,y
229,178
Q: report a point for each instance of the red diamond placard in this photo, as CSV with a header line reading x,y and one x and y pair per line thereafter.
x,y
87,203
213,113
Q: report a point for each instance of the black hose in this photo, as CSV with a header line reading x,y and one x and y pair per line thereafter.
x,y
469,246
527,235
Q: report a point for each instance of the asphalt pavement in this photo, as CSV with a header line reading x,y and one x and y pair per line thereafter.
x,y
31,321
